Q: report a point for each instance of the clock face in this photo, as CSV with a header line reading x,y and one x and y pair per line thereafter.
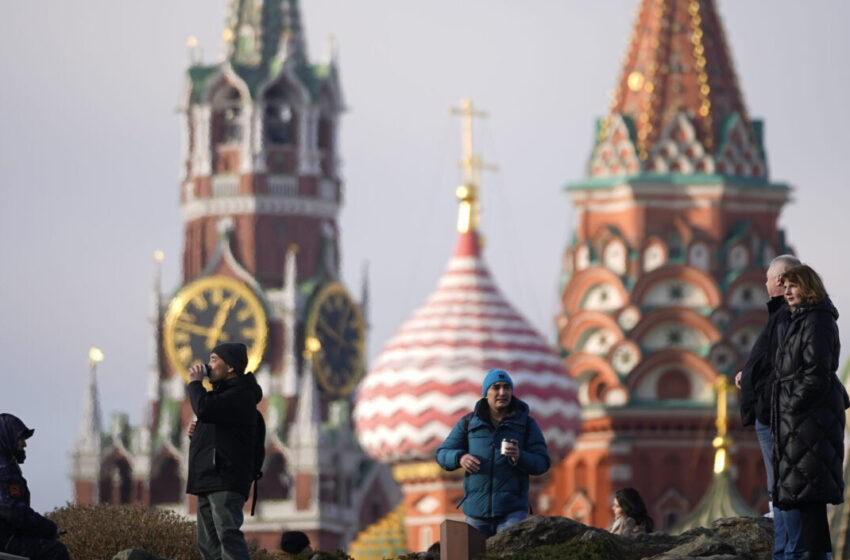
x,y
335,338
208,312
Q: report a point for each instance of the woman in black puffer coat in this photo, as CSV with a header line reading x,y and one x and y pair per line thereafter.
x,y
808,410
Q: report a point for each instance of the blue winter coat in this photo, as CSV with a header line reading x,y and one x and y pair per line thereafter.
x,y
499,487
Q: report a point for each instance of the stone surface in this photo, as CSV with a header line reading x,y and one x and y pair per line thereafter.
x,y
744,538
135,554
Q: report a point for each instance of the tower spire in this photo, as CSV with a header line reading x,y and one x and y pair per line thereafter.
x,y
90,427
469,213
85,456
258,30
678,99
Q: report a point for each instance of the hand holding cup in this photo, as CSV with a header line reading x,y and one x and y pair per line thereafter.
x,y
510,449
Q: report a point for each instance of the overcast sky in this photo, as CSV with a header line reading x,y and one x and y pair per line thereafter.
x,y
90,143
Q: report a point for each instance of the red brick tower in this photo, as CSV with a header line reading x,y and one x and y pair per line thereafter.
x,y
663,282
261,193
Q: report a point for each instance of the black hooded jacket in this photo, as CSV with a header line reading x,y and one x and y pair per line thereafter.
x,y
757,374
16,516
808,410
221,451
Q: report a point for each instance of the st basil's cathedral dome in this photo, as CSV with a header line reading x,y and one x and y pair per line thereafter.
x,y
429,374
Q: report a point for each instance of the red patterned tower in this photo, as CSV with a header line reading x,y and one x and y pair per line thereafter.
x,y
663,283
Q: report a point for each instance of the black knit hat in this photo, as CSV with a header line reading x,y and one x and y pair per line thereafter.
x,y
294,542
234,354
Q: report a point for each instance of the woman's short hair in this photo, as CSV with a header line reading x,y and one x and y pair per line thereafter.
x,y
633,506
807,281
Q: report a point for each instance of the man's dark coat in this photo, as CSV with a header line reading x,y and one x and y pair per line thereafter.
x,y
221,451
757,374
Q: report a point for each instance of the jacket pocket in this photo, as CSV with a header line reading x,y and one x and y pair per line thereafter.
x,y
220,461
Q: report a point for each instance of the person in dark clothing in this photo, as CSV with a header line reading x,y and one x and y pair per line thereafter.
x,y
499,445
295,542
808,412
221,449
755,381
23,532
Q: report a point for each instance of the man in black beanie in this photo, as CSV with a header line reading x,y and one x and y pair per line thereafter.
x,y
221,450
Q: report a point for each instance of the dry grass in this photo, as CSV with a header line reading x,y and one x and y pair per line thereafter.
x,y
100,531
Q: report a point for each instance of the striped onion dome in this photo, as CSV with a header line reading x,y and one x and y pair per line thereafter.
x,y
430,373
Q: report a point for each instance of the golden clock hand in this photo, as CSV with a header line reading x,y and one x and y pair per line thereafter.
x,y
218,322
330,331
344,320
193,328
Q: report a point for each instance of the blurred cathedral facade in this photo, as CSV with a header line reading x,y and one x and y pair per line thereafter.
x,y
662,296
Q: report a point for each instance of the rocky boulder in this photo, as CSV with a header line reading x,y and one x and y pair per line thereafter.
x,y
746,538
135,554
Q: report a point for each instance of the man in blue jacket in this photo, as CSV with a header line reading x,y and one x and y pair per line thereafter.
x,y
23,531
495,485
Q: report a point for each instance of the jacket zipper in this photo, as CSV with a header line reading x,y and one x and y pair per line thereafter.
x,y
492,473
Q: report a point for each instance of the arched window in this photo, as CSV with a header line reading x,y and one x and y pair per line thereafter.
x,y
581,476
279,118
280,129
115,482
227,129
738,258
699,256
614,256
674,245
166,483
582,257
276,480
325,133
227,116
653,257
674,384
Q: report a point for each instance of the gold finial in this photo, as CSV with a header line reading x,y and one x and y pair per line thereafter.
x,y
227,35
95,356
158,256
311,346
472,164
722,441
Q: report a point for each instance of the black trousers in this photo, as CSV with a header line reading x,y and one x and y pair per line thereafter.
x,y
815,529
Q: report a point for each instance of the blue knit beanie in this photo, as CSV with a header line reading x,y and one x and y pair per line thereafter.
x,y
496,376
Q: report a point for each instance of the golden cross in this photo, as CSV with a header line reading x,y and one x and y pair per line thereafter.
x,y
722,441
472,164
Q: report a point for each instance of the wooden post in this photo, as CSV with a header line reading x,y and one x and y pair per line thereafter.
x,y
459,541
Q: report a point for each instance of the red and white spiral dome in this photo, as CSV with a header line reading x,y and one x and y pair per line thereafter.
x,y
430,373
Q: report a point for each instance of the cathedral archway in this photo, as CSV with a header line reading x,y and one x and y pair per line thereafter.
x,y
115,484
276,481
166,485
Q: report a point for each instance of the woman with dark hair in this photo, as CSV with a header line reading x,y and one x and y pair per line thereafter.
x,y
807,419
630,515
